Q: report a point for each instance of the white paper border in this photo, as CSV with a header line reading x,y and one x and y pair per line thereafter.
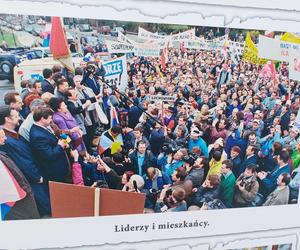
x,y
74,232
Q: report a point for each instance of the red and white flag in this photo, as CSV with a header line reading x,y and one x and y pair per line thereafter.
x,y
59,45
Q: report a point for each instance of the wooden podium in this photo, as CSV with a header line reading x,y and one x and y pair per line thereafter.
x,y
69,200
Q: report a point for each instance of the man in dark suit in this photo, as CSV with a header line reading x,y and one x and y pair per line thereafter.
x,y
48,150
268,181
134,114
24,208
236,160
250,158
141,159
18,149
46,83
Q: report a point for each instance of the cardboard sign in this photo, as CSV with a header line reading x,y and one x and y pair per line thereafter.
x,y
251,52
119,47
294,66
163,98
69,200
124,39
274,49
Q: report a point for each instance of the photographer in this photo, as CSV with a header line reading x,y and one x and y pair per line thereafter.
x,y
246,187
155,180
206,192
196,174
171,201
90,78
113,180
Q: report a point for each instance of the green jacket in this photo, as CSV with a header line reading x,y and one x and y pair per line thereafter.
x,y
226,189
295,158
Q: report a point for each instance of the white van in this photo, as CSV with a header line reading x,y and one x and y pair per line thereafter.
x,y
34,69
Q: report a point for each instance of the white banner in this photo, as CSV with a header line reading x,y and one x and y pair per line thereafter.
x,y
236,47
186,35
163,98
147,35
116,73
274,49
119,47
124,39
294,66
147,49
203,44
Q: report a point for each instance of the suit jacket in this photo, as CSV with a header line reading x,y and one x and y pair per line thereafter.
x,y
47,87
245,163
278,197
134,114
269,184
149,161
25,208
236,166
18,149
48,154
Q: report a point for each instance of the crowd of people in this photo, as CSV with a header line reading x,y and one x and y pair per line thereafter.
x,y
229,140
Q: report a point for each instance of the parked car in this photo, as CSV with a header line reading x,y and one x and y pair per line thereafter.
x,y
41,22
114,31
29,21
28,29
104,30
32,54
7,63
18,27
85,28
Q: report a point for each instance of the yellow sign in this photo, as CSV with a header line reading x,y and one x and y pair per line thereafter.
x,y
116,147
289,37
251,52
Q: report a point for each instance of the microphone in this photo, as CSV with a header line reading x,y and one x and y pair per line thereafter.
x,y
135,186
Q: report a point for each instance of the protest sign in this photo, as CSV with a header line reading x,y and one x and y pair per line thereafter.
x,y
147,35
274,49
289,37
124,39
236,47
116,73
294,66
162,98
202,44
186,35
147,49
119,47
251,52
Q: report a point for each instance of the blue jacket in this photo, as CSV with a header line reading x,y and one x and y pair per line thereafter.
x,y
169,168
199,143
236,166
47,87
161,180
244,164
134,114
91,83
48,154
18,149
156,140
269,184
